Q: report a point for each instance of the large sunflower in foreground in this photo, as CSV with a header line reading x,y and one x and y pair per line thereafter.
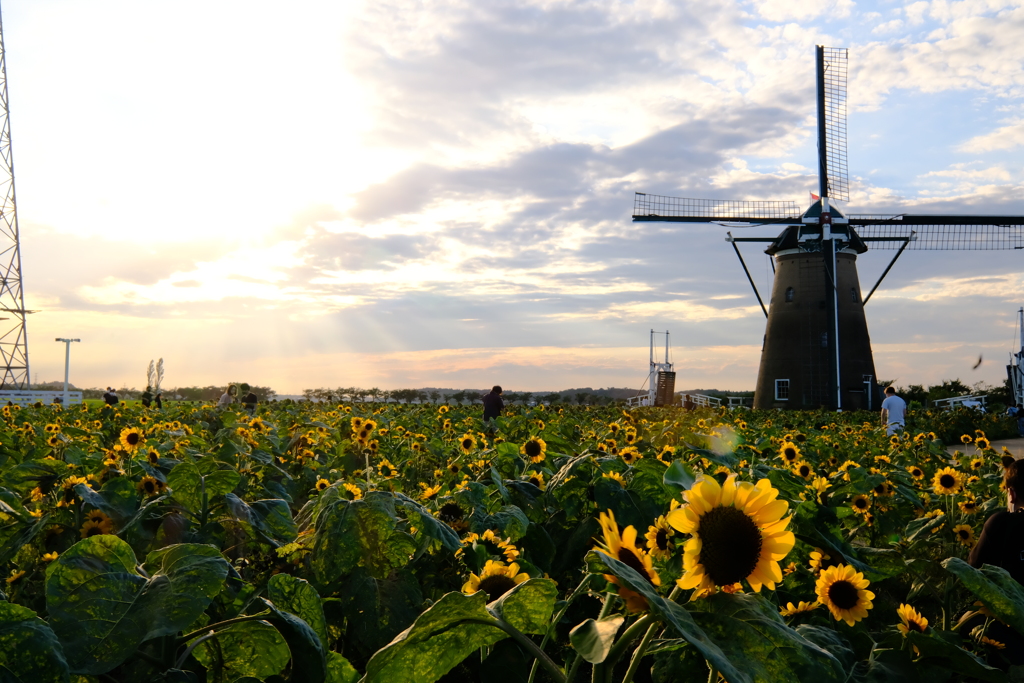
x,y
738,533
843,590
624,549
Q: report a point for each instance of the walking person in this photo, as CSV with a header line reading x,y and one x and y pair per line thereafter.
x,y
493,405
894,412
159,401
110,397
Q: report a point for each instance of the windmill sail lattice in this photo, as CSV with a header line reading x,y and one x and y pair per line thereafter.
x,y
834,66
817,351
13,333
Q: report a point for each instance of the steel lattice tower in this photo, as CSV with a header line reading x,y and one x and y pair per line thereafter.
x,y
13,332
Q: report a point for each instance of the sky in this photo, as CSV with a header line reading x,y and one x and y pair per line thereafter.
x,y
438,193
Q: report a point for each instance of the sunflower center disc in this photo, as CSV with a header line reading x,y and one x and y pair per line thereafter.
x,y
532,449
947,481
843,594
661,539
730,545
496,586
627,556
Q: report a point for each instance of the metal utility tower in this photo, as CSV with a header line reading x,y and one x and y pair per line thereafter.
x,y
13,332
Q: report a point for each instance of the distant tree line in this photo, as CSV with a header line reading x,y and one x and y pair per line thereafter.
x,y
208,393
998,396
460,397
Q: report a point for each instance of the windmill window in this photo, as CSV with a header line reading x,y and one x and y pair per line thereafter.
x,y
782,390
824,340
789,294
853,295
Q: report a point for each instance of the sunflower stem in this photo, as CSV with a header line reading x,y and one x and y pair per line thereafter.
x,y
558,617
527,644
631,634
227,622
638,653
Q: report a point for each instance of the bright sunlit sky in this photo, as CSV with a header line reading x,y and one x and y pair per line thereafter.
x,y
437,193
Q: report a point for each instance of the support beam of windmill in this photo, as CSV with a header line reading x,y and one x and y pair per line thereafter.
x,y
817,350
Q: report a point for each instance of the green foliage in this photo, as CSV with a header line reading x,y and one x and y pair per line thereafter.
x,y
102,608
29,650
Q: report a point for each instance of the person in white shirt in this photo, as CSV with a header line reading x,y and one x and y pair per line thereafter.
x,y
894,412
228,397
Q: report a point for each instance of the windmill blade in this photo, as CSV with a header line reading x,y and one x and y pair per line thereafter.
x,y
941,233
652,207
832,74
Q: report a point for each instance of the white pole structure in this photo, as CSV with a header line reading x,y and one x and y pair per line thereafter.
x,y
67,365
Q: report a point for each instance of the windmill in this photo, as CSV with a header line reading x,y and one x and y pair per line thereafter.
x,y
816,350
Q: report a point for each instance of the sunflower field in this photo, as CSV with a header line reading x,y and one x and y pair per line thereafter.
x,y
371,542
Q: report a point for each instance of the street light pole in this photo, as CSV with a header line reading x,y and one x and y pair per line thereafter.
x,y
67,365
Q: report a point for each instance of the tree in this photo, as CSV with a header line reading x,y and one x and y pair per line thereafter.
x,y
374,394
435,395
581,397
458,397
526,397
948,389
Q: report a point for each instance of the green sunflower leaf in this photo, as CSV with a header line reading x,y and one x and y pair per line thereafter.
x,y
29,650
944,650
749,630
449,631
294,595
996,589
360,533
528,606
251,648
675,616
101,608
593,639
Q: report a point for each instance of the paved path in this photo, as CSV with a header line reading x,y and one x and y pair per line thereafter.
x,y
1015,446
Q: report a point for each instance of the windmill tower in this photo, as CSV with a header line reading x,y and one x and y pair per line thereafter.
x,y
13,333
817,350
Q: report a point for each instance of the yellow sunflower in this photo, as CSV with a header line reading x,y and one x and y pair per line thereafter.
x,y
966,438
947,481
322,484
624,549
965,534
535,449
496,579
615,476
738,532
968,506
131,439
802,468
630,455
791,610
429,492
843,590
537,479
861,503
150,486
981,443
916,472
467,443
910,620
789,452
659,539
386,469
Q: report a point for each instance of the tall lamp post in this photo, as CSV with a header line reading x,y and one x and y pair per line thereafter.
x,y
67,364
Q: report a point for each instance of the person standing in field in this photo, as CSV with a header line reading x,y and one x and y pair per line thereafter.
x,y
228,397
110,398
894,412
493,405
